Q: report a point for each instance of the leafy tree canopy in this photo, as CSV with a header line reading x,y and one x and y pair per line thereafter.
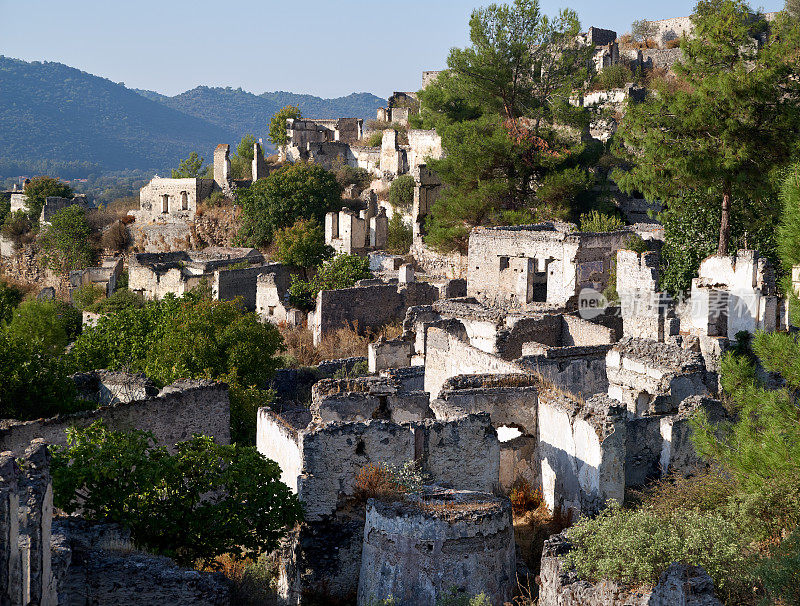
x,y
190,337
192,167
720,129
10,297
497,123
48,326
277,126
65,242
203,501
299,191
302,244
37,191
401,192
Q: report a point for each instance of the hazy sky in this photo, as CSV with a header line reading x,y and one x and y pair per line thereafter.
x,y
323,47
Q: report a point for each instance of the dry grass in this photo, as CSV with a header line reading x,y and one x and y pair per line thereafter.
x,y
674,43
342,343
254,580
377,482
524,498
533,526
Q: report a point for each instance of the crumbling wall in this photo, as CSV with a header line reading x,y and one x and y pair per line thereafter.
x,y
646,311
582,452
96,564
230,284
649,377
182,409
368,307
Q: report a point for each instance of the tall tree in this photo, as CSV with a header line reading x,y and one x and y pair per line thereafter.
x,y
277,126
722,126
37,191
496,108
190,167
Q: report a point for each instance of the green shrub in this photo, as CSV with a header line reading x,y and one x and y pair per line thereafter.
x,y
65,242
203,501
343,271
399,236
352,175
375,138
455,598
47,325
122,298
598,222
16,227
302,244
560,190
780,572
37,191
636,546
614,76
86,295
10,297
401,193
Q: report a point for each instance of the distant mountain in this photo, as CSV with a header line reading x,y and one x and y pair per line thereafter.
x,y
60,120
62,116
245,112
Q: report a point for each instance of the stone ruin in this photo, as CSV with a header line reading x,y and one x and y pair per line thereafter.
x,y
351,233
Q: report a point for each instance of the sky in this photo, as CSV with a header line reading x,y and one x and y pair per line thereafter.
x,y
328,48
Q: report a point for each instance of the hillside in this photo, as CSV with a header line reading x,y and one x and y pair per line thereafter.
x,y
245,112
69,123
51,113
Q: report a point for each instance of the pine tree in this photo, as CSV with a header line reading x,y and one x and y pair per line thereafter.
x,y
723,125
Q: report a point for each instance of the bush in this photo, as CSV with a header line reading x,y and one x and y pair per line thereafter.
x,y
599,222
399,236
375,138
401,193
780,573
33,383
65,242
191,337
302,244
48,326
561,190
298,191
343,271
613,76
352,175
17,227
116,238
636,546
120,299
277,125
86,295
196,504
10,297
37,191
674,43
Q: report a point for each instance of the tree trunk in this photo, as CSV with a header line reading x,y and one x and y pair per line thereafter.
x,y
725,224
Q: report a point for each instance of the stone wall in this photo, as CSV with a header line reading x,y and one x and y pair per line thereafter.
x,y
367,307
451,265
656,58
230,284
646,311
179,411
165,200
96,564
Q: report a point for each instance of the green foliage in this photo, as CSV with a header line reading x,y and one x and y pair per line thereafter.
x,y
399,236
86,295
5,206
65,242
497,122
343,271
719,131
33,383
302,244
245,147
242,160
401,193
598,222
789,230
191,337
613,76
203,501
37,191
375,138
780,573
561,190
48,325
636,546
122,298
10,297
277,126
299,191
192,167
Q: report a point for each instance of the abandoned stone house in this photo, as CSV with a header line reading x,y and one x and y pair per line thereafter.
x,y
225,270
